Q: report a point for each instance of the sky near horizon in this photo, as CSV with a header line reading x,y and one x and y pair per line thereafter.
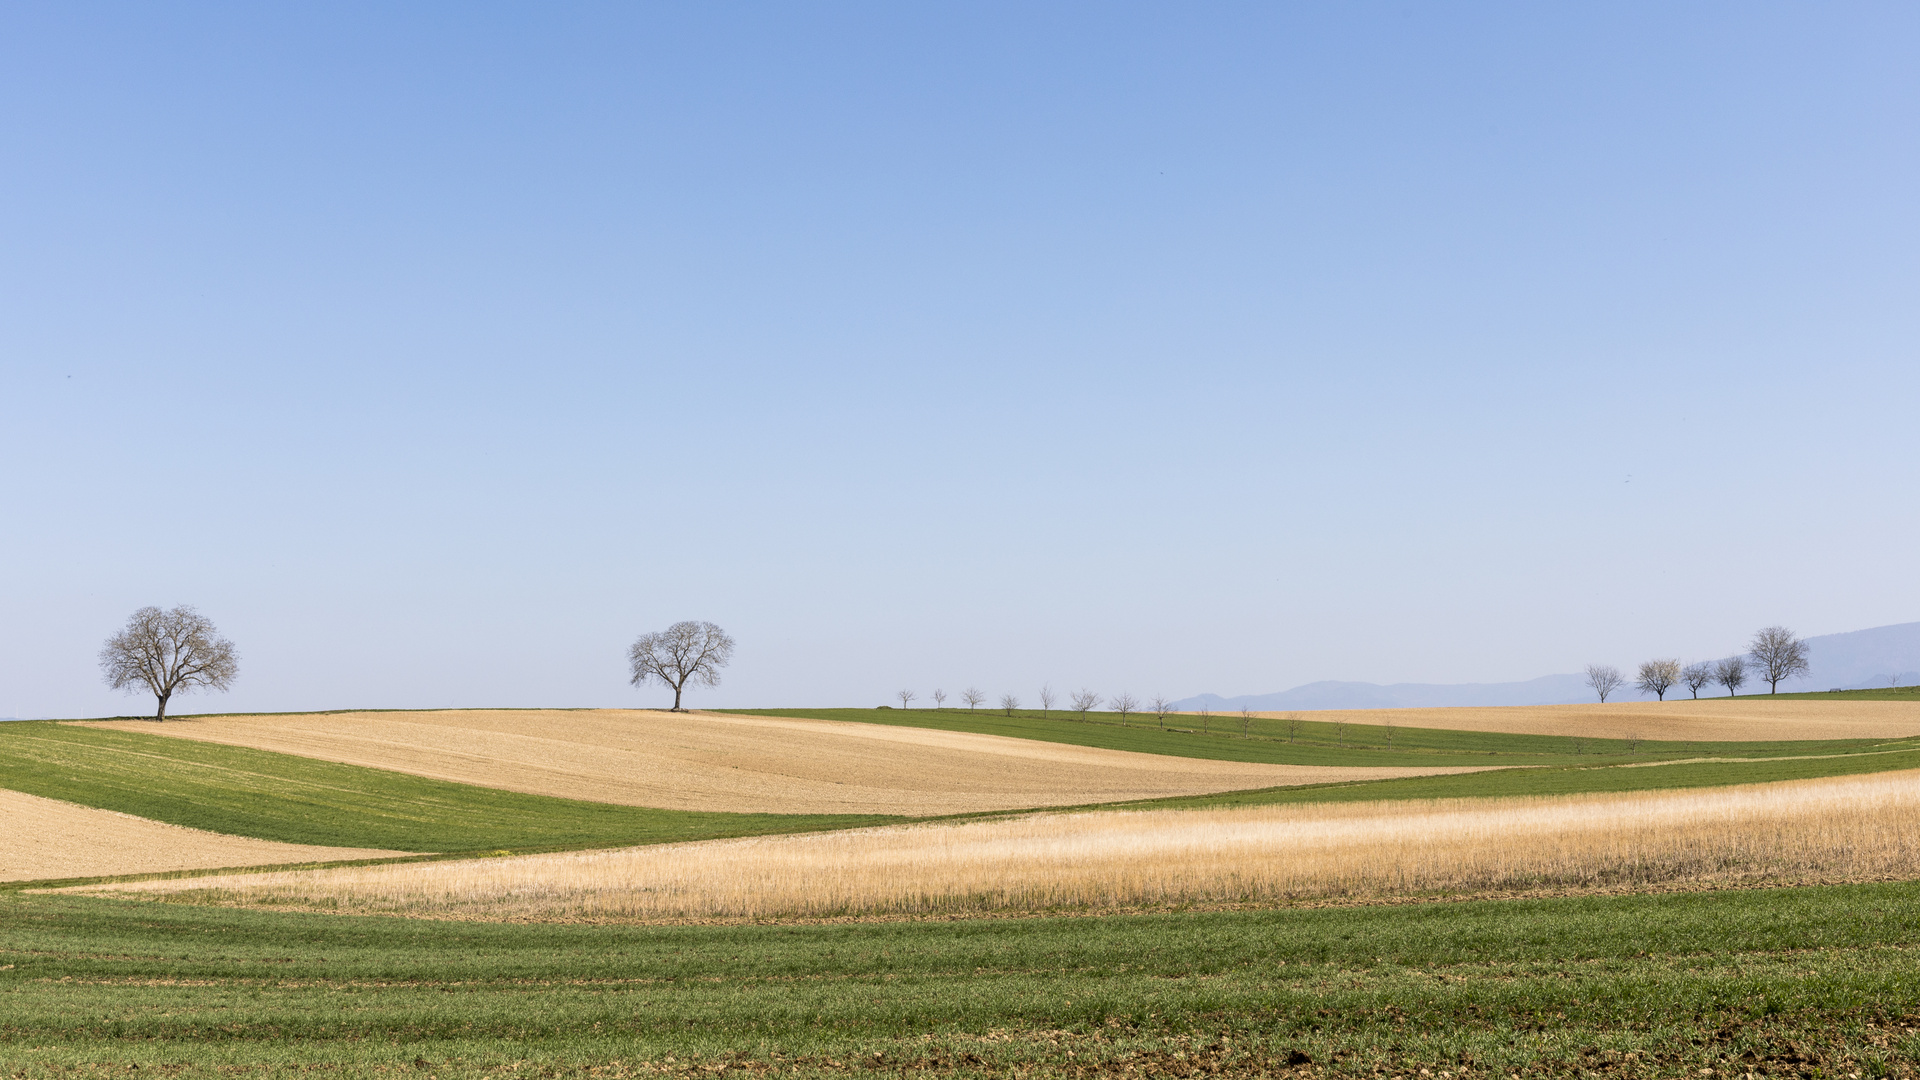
x,y
436,351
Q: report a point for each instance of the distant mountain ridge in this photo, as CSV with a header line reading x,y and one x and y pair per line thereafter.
x,y
1858,659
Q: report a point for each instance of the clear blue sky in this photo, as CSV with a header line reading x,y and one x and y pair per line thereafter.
x,y
436,351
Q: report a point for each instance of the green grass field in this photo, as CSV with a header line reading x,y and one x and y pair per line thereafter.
x,y
1816,982
1319,742
304,801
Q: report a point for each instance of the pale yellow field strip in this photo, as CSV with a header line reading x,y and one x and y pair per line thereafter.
x,y
45,838
1741,719
1807,830
758,764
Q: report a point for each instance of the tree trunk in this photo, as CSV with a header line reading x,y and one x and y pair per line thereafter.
x,y
160,714
676,699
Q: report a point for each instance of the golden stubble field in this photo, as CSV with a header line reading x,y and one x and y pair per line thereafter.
x,y
1743,719
754,764
46,838
1848,828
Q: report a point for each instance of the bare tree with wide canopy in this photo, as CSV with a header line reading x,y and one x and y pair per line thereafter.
x,y
1779,655
686,652
168,653
1730,673
1696,676
1605,679
1657,677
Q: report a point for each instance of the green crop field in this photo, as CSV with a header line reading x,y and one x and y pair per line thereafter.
x,y
304,801
1320,742
1815,982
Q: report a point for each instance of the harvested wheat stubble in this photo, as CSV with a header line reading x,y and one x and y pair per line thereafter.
x,y
748,764
1852,827
46,838
1706,720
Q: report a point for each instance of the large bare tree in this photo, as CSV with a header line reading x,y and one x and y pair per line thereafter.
x,y
1730,673
1696,676
1605,679
1779,654
168,653
1657,677
686,652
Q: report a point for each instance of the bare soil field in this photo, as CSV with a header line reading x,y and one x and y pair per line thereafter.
x,y
1849,828
746,764
45,838
1744,719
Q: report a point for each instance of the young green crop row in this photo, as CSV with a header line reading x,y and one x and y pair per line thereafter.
x,y
1790,982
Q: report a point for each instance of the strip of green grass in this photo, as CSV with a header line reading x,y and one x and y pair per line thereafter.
x,y
1501,783
300,800
1318,742
1809,981
1889,693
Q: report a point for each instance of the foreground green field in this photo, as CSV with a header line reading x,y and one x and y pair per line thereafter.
x,y
300,800
1790,982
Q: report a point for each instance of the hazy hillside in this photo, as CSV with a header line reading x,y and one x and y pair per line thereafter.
x,y
1882,656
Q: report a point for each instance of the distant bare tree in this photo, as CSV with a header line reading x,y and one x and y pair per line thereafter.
x,y
972,697
1206,720
1046,700
1779,654
1604,679
1340,733
905,696
1009,703
1124,703
939,699
1084,700
168,653
1386,721
686,652
1696,676
1246,722
1730,673
1160,706
1657,677
1293,725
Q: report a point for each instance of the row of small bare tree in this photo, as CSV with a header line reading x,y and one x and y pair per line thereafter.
x,y
1083,702
1775,655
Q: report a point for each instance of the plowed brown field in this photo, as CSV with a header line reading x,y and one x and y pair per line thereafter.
x,y
1709,719
754,764
46,838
